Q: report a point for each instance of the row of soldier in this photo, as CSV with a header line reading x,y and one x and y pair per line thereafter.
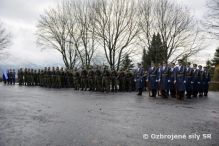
x,y
166,80
93,79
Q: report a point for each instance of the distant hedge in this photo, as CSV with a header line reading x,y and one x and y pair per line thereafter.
x,y
214,86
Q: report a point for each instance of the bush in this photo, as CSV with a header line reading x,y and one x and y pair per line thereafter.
x,y
214,86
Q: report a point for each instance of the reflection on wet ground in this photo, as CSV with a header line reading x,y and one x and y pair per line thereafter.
x,y
63,117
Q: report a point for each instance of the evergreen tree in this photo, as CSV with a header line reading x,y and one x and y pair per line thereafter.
x,y
127,63
157,51
215,60
210,67
145,59
209,64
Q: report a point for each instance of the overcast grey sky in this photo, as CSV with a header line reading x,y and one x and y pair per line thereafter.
x,y
20,18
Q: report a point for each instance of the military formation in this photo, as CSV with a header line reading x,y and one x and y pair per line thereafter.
x,y
178,81
92,79
165,80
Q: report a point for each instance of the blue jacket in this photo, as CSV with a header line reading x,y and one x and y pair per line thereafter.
x,y
139,73
165,78
180,78
189,74
206,80
153,77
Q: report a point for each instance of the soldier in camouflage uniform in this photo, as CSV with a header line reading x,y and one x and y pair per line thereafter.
x,y
114,78
58,82
48,77
41,77
62,77
91,78
128,80
121,79
52,78
98,79
28,77
20,76
25,76
35,77
84,79
38,77
76,77
44,77
71,81
31,77
67,78
106,80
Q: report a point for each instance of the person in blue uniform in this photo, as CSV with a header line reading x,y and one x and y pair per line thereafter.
x,y
172,85
5,77
9,74
180,80
159,84
195,80
200,82
164,80
139,74
153,77
206,80
188,80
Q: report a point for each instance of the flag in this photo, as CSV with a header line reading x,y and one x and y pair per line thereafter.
x,y
5,75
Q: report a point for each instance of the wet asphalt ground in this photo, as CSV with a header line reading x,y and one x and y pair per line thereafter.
x,y
34,116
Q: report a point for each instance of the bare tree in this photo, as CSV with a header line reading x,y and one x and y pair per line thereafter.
x,y
211,22
82,30
146,22
52,32
4,39
116,27
178,29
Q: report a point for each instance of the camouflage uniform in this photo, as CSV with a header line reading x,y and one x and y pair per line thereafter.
x,y
84,79
67,78
32,77
91,79
71,81
106,80
52,78
114,80
57,83
128,80
20,76
62,77
98,79
121,79
25,77
76,77
35,77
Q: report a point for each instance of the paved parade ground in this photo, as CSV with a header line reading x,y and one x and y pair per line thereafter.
x,y
34,116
